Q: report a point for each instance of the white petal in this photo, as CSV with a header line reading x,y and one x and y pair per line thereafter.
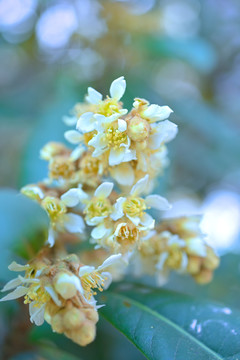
x,y
53,295
118,211
168,130
147,221
73,196
155,140
69,120
135,220
12,284
123,174
184,261
157,113
77,153
85,270
157,202
104,190
36,313
107,280
129,155
17,267
118,228
86,122
162,258
140,186
196,246
35,189
73,136
122,125
95,220
117,88
17,293
73,223
93,97
110,261
100,232
51,237
116,156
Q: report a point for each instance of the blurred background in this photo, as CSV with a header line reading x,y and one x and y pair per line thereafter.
x,y
181,53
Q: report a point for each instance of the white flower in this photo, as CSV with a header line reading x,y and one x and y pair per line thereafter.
x,y
60,219
92,277
35,293
162,133
133,207
112,135
152,113
156,113
99,206
117,89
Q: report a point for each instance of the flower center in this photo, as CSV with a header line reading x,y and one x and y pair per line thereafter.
x,y
37,294
98,207
108,107
128,234
92,281
54,207
134,206
114,137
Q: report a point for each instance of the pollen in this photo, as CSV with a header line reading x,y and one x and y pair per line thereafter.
x,y
36,294
92,281
54,207
98,207
61,166
115,137
134,206
128,234
108,107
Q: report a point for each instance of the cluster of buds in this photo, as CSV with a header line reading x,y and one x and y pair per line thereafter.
x,y
112,215
61,292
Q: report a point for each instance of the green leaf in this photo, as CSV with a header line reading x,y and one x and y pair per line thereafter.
x,y
166,325
23,226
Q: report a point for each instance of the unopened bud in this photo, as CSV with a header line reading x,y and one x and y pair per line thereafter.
x,y
194,264
73,318
52,149
211,261
138,129
204,277
61,166
57,322
91,314
66,285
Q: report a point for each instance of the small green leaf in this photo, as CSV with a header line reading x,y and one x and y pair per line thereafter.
x,y
166,325
23,226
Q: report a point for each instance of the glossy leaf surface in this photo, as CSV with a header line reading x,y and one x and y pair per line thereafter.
x,y
166,325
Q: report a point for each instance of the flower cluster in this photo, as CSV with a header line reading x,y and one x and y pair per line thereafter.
x,y
99,193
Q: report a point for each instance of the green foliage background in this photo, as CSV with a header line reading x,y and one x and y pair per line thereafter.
x,y
196,73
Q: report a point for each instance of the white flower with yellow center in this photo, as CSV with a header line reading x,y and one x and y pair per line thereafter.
x,y
35,293
99,206
60,218
110,107
112,136
162,132
97,278
134,206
